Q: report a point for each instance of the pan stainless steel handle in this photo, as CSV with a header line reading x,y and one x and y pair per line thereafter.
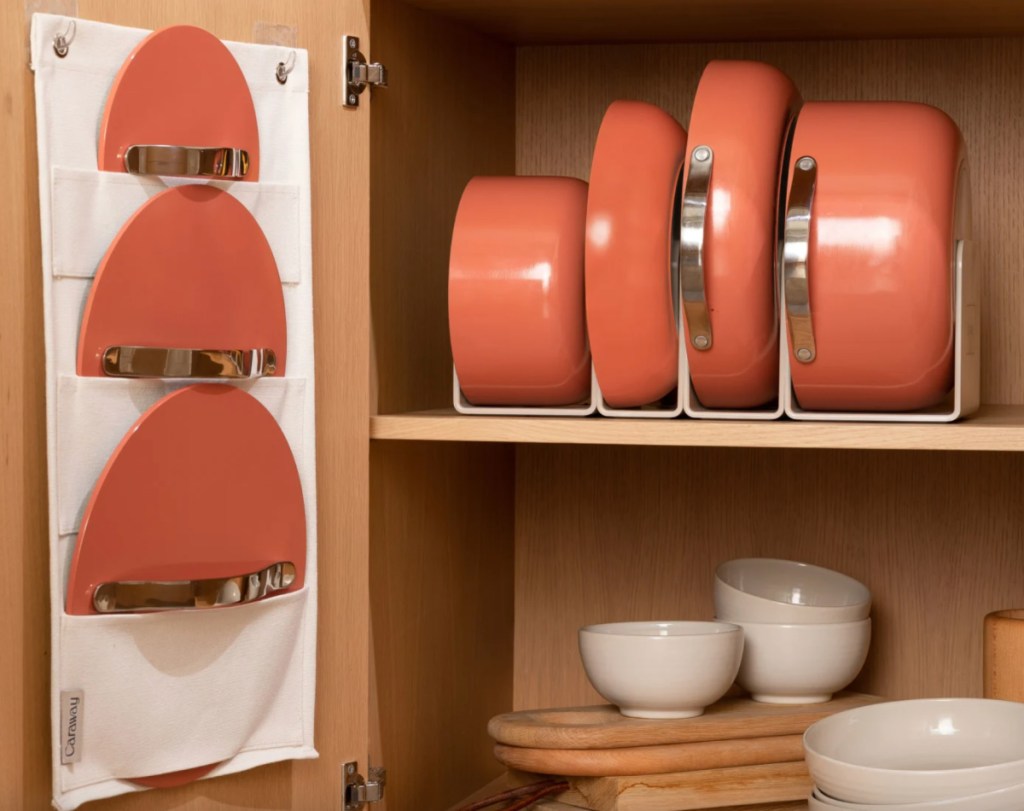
x,y
174,595
151,361
691,248
221,162
795,250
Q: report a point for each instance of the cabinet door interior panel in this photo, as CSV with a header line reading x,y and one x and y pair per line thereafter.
x,y
606,534
441,567
25,631
340,191
450,117
562,93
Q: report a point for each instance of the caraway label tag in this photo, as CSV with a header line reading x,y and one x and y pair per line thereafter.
x,y
72,705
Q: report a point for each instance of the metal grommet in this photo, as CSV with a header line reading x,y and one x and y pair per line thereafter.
x,y
62,42
284,68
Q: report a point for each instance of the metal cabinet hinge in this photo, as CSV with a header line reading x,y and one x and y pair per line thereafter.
x,y
357,792
359,74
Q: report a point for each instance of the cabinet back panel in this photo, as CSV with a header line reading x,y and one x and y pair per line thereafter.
x,y
607,534
562,93
449,114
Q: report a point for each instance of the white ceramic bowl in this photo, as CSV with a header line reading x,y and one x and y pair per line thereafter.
x,y
1005,799
801,664
918,751
770,590
661,669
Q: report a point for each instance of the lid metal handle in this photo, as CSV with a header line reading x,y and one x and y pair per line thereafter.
x,y
691,248
225,163
173,595
795,265
152,361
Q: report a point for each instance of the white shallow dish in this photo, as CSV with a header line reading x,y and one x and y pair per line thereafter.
x,y
772,590
1006,799
918,751
801,663
661,669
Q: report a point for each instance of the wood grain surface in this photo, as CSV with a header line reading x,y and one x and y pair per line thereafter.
x,y
430,136
994,428
609,534
511,779
340,193
562,93
714,788
604,727
532,21
799,805
25,631
441,583
663,759
1004,655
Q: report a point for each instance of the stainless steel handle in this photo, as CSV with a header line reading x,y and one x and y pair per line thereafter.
x,y
795,248
174,595
186,161
691,248
151,361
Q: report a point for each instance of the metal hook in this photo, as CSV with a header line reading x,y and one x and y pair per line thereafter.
x,y
62,42
284,68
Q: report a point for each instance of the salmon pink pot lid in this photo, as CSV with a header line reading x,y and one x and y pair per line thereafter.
x,y
217,289
179,87
631,315
203,486
738,129
515,292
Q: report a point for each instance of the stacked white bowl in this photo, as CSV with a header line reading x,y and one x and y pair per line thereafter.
x,y
806,629
949,754
661,669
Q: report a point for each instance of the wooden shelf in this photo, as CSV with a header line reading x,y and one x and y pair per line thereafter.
x,y
994,428
570,21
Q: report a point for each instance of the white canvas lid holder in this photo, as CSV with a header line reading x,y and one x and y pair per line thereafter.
x,y
128,691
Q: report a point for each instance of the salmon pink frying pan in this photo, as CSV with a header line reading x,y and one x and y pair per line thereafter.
x,y
871,242
180,105
200,506
188,288
738,129
515,292
631,318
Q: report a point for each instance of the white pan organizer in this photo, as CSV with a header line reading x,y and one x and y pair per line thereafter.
x,y
199,691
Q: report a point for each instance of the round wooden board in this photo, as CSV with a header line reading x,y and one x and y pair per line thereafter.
x,y
602,727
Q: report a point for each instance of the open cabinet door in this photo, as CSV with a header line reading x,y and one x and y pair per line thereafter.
x,y
339,149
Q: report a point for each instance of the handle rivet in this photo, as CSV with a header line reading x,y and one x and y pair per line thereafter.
x,y
701,341
803,354
701,153
806,164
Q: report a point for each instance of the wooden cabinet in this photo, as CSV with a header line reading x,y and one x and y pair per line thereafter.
x,y
458,555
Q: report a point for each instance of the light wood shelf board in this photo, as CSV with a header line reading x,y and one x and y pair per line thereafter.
x,y
994,428
571,21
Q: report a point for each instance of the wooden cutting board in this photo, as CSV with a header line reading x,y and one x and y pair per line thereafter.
x,y
799,805
662,759
602,727
686,791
